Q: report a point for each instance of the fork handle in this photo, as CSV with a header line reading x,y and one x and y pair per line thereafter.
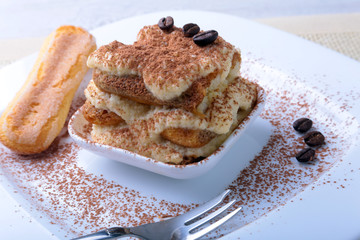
x,y
107,234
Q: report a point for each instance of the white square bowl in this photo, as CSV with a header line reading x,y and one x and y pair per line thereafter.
x,y
78,130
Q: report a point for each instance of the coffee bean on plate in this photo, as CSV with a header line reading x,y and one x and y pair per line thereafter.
x,y
190,29
302,124
166,23
205,38
314,138
305,155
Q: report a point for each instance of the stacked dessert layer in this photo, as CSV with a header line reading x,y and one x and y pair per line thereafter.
x,y
165,97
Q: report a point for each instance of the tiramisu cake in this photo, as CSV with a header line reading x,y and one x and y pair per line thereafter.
x,y
171,96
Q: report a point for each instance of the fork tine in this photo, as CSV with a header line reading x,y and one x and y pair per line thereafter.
x,y
194,213
213,226
210,216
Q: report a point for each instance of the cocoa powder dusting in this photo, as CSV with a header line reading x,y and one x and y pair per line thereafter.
x,y
80,202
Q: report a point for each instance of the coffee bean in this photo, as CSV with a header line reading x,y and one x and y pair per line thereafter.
x,y
305,155
205,38
302,124
314,138
166,23
190,29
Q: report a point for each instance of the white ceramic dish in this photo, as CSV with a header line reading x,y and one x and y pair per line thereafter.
x,y
77,125
299,77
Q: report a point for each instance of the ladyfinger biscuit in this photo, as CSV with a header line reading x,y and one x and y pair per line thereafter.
x,y
38,112
99,116
191,138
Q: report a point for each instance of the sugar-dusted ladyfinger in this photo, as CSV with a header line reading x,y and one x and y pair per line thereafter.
x,y
36,115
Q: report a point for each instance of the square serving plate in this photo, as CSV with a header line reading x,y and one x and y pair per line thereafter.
x,y
71,191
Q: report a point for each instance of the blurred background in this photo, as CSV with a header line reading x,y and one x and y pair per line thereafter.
x,y
25,23
37,18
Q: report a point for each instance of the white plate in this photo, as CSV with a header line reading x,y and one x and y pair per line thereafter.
x,y
71,190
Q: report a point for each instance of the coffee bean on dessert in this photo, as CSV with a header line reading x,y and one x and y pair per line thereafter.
x,y
166,23
190,29
205,38
305,155
302,124
314,138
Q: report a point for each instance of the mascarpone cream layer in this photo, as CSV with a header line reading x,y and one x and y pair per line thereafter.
x,y
144,123
168,62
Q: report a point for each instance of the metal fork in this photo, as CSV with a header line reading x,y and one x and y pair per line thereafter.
x,y
176,228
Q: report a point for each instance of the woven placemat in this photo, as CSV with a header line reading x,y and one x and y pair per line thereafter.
x,y
340,32
15,49
347,43
3,63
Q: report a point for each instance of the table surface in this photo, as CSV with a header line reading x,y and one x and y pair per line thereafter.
x,y
37,18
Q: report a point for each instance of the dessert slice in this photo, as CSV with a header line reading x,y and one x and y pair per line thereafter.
x,y
177,101
165,69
